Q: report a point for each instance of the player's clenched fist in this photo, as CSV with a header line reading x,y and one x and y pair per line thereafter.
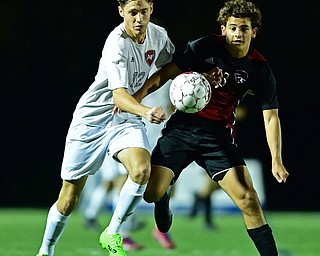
x,y
155,115
215,76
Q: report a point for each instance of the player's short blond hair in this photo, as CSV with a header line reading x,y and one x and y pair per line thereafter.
x,y
123,3
240,9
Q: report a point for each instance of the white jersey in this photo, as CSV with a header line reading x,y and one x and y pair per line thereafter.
x,y
124,64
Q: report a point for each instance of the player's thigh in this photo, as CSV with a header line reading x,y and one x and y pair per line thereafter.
x,y
131,134
238,185
136,161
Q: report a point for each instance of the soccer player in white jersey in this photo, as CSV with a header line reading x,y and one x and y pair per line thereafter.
x,y
131,51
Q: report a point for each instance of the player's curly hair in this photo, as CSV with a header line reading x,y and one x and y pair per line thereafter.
x,y
123,3
240,9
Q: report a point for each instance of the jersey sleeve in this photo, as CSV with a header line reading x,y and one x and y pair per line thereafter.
x,y
113,64
165,55
186,58
266,88
195,56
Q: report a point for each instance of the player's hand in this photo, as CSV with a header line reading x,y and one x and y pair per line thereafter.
x,y
155,115
280,172
215,77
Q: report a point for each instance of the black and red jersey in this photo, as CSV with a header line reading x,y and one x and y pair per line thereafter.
x,y
250,74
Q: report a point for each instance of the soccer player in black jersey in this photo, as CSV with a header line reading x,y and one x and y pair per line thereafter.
x,y
205,137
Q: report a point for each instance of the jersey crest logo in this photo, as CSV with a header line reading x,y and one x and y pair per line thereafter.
x,y
210,60
241,76
150,55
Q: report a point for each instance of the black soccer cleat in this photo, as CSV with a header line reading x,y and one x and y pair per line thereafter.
x,y
162,214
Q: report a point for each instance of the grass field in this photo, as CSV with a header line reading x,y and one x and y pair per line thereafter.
x,y
297,234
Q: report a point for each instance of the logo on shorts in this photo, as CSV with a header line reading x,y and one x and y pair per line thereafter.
x,y
150,55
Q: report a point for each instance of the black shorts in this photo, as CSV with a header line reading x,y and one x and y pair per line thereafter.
x,y
187,138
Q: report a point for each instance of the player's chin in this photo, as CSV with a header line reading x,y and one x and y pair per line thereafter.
x,y
140,29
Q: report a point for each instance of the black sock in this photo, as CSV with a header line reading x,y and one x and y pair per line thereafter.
x,y
207,210
195,206
263,240
163,200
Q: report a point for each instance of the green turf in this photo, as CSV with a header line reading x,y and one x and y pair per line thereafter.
x,y
297,234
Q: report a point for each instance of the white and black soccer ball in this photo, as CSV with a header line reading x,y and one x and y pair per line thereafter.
x,y
190,92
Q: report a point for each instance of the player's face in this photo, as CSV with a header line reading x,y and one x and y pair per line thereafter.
x,y
136,15
238,32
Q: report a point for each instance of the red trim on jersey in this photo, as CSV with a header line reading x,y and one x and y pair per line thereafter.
x,y
255,55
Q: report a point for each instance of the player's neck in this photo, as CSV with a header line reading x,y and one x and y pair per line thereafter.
x,y
136,37
236,52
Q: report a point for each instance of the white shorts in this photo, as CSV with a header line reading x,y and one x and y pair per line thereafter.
x,y
87,146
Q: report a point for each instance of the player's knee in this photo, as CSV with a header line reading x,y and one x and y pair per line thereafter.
x,y
248,201
140,175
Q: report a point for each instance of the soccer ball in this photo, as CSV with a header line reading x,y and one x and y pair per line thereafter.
x,y
190,92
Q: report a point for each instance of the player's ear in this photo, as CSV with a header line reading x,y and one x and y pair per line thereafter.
x,y
120,11
223,30
254,32
151,8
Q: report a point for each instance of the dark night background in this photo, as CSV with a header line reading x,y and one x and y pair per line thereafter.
x,y
49,56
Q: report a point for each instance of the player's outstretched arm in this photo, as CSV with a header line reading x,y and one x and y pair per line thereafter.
x,y
273,134
159,78
124,101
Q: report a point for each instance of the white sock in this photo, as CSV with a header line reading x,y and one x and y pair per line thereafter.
x,y
96,201
129,198
124,229
56,223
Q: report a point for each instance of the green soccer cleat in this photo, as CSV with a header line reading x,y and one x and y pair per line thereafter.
x,y
112,243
